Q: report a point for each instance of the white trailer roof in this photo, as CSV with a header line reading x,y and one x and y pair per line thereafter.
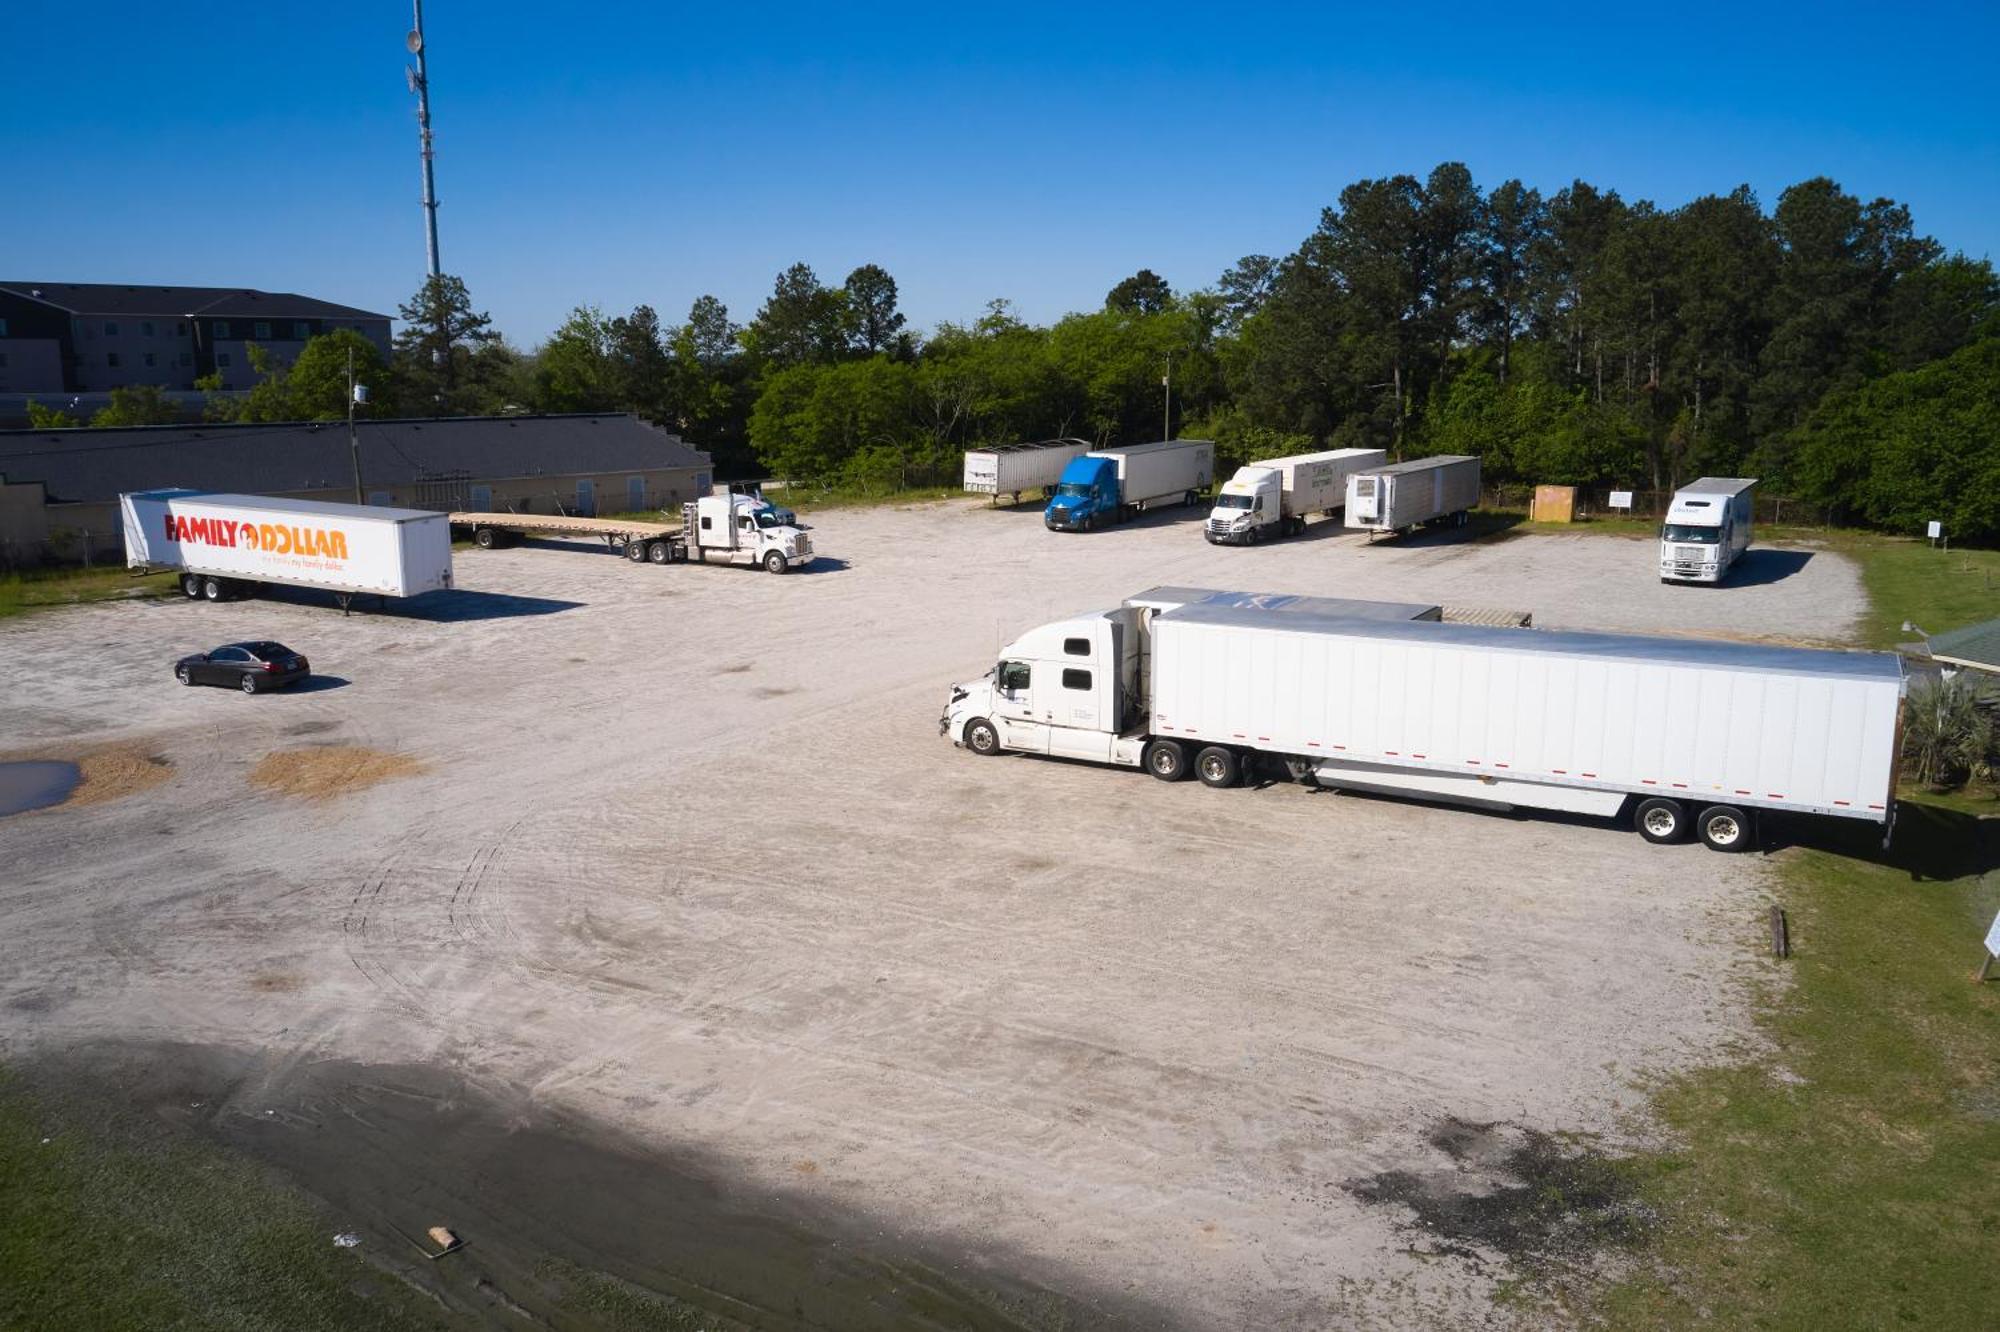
x,y
1175,597
1153,447
1418,464
1030,446
1717,485
1868,666
273,504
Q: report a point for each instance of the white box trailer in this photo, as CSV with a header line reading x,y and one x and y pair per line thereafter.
x,y
1686,735
1016,469
1273,498
1707,527
1165,469
1402,496
222,545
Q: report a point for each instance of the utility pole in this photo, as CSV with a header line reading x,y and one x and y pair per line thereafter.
x,y
355,393
1167,392
420,84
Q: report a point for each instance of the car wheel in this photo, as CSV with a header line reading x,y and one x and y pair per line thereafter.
x,y
1166,760
212,589
248,684
1724,828
191,586
1661,821
1218,767
659,552
184,675
774,562
981,738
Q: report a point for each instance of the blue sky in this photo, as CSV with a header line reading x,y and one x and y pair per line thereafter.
x,y
619,154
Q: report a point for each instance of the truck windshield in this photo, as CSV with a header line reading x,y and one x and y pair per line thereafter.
x,y
1076,488
773,518
1232,501
1688,532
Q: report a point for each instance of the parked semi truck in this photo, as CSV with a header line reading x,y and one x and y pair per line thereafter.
x,y
1707,528
1016,469
224,546
715,529
1112,485
1271,499
1683,737
1401,497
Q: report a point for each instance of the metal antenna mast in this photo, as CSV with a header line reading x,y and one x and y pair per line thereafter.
x,y
420,84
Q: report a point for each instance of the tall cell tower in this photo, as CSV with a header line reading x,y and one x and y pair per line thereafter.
x,y
420,84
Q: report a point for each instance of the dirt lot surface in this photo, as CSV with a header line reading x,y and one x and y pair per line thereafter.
x,y
676,857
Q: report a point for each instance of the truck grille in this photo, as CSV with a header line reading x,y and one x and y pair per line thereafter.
x,y
1218,525
805,545
1690,555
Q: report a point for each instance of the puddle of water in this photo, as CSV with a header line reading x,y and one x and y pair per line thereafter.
x,y
36,785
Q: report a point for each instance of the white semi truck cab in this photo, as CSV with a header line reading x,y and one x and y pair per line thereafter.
x,y
744,529
1707,528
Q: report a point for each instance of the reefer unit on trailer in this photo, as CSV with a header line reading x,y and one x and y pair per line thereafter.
x,y
1686,735
1273,498
1402,496
222,544
1707,527
1111,485
1016,469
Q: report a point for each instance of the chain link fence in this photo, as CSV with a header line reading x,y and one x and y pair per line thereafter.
x,y
1595,502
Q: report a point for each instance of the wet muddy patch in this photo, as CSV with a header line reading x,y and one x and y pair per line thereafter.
x,y
36,784
1543,1204
325,771
99,775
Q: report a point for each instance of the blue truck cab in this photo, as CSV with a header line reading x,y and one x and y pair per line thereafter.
x,y
1087,494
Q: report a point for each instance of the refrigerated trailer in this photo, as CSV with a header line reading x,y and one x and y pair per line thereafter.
x,y
1707,527
1016,469
225,545
1681,736
1270,499
1404,496
1112,485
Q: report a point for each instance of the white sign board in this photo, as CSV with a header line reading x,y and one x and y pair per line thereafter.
x,y
1621,499
1993,938
1936,530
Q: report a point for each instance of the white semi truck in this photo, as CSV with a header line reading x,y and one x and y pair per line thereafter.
x,y
1400,497
1270,499
223,546
715,529
1707,528
1682,735
1016,469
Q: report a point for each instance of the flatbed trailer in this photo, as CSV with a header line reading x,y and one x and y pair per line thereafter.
x,y
715,529
489,530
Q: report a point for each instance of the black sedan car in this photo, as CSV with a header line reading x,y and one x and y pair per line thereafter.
x,y
251,667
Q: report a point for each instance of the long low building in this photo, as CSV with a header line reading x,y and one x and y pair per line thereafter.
x,y
59,488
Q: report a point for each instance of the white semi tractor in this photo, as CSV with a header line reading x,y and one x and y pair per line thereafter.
x,y
1683,736
1271,499
1401,497
715,529
224,546
1707,528
1016,469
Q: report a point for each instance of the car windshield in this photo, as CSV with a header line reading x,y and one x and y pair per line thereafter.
x,y
1232,501
1074,488
1688,532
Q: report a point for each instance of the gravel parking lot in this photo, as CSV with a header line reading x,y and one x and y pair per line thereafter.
x,y
676,855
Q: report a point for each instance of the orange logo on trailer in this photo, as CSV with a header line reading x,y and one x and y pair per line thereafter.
x,y
274,538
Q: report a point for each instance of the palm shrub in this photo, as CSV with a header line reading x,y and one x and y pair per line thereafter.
x,y
1947,734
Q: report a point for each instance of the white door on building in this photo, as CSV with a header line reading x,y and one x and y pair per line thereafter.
x,y
635,493
586,496
482,499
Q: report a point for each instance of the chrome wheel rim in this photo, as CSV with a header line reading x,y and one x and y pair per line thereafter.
x,y
1661,822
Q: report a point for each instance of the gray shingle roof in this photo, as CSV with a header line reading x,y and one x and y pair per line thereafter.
x,y
118,298
1975,645
86,466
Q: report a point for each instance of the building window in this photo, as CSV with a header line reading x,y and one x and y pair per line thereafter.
x,y
261,331
111,359
149,360
222,328
110,328
1074,679
222,359
187,359
3,328
145,328
301,331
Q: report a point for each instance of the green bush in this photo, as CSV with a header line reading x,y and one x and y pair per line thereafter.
x,y
1947,735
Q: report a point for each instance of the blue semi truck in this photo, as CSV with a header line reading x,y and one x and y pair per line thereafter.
x,y
1112,485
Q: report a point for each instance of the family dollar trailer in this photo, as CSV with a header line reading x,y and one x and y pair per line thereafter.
x,y
1403,496
1270,499
715,529
1707,527
1015,469
1111,485
1679,735
225,545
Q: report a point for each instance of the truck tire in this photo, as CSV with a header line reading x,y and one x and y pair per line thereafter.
x,y
1218,766
660,552
1661,821
981,738
1724,828
214,589
635,551
1166,760
774,562
191,586
485,538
